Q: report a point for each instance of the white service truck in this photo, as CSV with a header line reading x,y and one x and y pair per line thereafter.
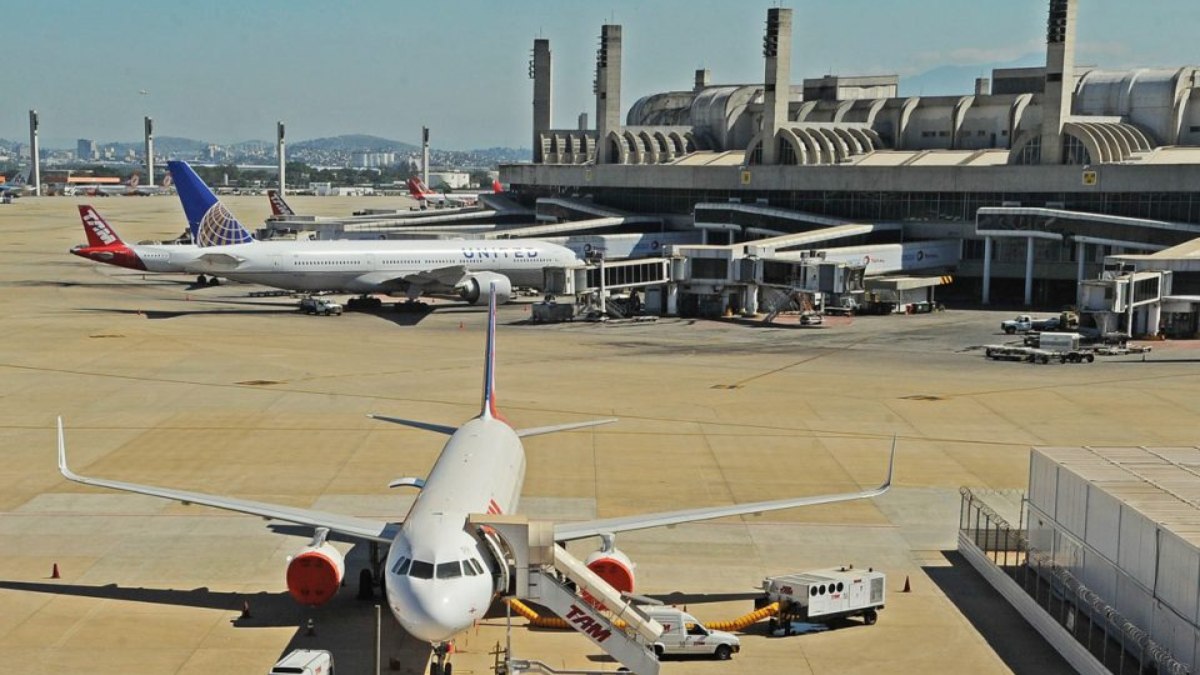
x,y
683,634
304,662
823,595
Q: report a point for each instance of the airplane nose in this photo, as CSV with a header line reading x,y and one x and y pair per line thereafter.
x,y
430,613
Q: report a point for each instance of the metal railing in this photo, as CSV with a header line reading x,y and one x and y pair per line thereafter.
x,y
1115,641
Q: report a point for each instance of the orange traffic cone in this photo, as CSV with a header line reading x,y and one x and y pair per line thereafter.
x,y
54,572
460,325
907,586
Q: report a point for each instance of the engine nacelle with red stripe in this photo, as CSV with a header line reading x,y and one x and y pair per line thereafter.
x,y
315,574
613,566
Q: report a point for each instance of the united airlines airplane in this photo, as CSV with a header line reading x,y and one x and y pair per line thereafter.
x,y
441,575
466,268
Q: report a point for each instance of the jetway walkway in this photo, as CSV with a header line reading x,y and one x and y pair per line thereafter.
x,y
544,572
574,226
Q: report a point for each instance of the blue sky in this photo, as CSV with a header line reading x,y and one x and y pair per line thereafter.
x,y
226,70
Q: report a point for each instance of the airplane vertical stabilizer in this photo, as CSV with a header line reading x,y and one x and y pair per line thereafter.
x,y
211,223
99,232
488,408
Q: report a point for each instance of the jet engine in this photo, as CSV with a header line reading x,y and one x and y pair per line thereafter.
x,y
613,566
315,573
475,289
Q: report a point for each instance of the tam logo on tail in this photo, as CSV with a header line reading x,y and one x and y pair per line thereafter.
x,y
98,231
278,206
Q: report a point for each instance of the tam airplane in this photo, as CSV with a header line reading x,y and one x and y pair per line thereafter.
x,y
105,246
440,575
412,267
421,192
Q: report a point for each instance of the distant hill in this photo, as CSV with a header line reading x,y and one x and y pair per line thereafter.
x,y
959,80
354,143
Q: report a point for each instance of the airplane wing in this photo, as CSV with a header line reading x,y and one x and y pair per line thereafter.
x,y
219,261
591,528
441,276
438,280
362,528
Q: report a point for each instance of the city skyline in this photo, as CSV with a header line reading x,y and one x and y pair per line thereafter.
x,y
224,72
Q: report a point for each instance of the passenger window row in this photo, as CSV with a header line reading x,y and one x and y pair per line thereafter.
x,y
420,569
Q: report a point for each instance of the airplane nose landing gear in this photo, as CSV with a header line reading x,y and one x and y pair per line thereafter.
x,y
441,659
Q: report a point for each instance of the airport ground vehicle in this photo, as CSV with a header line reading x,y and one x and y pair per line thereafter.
x,y
1025,323
825,595
810,319
1060,347
323,306
683,634
304,662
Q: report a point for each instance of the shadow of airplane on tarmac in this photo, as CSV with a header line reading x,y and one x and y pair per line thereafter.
x,y
345,626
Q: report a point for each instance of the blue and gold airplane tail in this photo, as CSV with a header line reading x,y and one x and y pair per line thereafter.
x,y
210,222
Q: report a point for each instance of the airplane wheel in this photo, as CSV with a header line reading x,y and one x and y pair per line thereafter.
x,y
366,585
201,280
213,281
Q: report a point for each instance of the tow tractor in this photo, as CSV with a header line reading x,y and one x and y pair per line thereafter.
x,y
821,596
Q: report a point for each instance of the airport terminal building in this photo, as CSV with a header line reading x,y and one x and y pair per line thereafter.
x,y
1046,177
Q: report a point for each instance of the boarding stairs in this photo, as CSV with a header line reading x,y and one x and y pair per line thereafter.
x,y
544,572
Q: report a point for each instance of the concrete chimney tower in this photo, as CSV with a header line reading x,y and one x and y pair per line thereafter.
x,y
149,124
1060,77
35,155
777,51
608,89
703,77
539,72
280,152
583,121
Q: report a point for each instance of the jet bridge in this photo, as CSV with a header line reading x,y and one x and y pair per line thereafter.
x,y
538,569
591,284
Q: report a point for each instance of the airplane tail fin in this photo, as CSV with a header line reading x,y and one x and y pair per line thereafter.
x,y
166,181
19,180
488,407
99,232
278,206
134,180
497,188
416,188
211,223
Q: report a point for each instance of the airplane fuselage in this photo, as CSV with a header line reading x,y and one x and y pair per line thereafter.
x,y
375,266
439,575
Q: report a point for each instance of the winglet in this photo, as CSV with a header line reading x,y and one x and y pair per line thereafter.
x,y
887,483
210,222
488,406
62,454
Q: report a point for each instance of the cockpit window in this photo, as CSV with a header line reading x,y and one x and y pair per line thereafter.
x,y
421,569
476,564
401,567
468,568
449,570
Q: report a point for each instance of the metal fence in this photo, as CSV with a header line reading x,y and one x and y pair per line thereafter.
x,y
1113,640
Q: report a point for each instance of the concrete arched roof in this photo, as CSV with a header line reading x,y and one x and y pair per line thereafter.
x,y
799,149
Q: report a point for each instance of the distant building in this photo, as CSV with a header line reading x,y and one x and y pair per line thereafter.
x,y
85,149
455,180
372,160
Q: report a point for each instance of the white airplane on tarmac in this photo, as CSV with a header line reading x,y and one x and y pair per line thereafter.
x,y
441,576
105,246
411,267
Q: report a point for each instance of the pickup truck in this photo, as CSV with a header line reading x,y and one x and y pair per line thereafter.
x,y
1025,323
322,306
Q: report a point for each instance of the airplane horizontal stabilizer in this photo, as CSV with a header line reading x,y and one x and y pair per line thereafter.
x,y
538,431
416,424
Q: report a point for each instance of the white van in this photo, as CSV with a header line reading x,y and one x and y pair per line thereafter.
x,y
304,662
683,634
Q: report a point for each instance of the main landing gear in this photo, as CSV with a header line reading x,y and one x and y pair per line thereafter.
x,y
364,302
441,659
371,576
